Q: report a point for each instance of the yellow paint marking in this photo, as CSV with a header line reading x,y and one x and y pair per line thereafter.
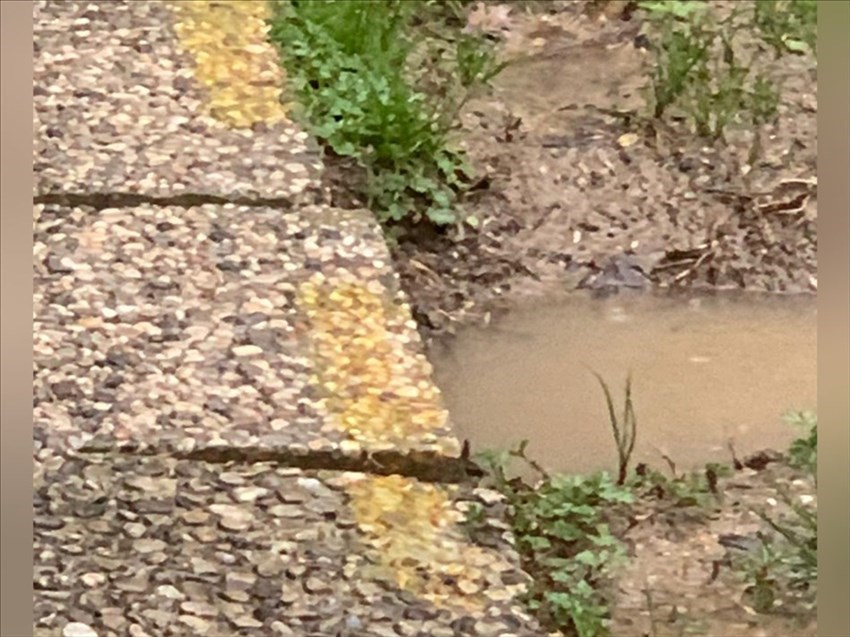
x,y
235,63
378,391
414,531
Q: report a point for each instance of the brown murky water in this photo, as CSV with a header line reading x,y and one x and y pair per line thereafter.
x,y
705,371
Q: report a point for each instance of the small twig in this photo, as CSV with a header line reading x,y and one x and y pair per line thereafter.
x,y
650,607
671,465
735,462
519,452
694,267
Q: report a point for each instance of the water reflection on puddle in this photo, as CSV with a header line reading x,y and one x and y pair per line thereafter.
x,y
704,370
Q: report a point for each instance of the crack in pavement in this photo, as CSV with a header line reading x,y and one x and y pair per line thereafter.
x,y
102,201
424,467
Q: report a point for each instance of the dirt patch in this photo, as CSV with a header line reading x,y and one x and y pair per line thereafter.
x,y
680,579
573,195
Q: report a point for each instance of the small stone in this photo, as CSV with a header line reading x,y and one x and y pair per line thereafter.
x,y
196,517
243,351
231,478
93,579
200,566
134,529
498,594
132,584
282,629
196,624
488,497
232,518
169,592
246,621
287,511
199,609
249,494
149,546
240,581
316,585
271,567
77,629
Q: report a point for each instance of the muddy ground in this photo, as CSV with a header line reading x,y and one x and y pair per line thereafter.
x,y
567,202
684,575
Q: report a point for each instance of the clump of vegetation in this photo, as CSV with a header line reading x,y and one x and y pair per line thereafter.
x,y
803,453
565,543
349,66
701,68
563,533
782,570
625,430
788,25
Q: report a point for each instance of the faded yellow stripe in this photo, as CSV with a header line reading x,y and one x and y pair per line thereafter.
x,y
415,533
234,61
377,389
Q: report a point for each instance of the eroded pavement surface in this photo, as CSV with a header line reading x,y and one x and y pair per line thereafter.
x,y
235,430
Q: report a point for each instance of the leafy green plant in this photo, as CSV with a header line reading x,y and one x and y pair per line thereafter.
x,y
787,25
476,61
785,563
681,47
349,67
691,489
803,453
698,67
625,430
564,541
786,559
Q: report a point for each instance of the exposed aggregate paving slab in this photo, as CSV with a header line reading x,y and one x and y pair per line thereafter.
x,y
159,546
219,328
131,99
196,303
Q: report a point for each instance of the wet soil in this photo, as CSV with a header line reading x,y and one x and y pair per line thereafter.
x,y
574,195
684,579
566,201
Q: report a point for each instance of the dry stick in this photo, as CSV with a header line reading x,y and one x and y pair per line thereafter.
x,y
520,453
735,462
670,464
650,607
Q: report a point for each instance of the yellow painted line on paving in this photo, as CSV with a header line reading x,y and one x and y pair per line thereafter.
x,y
416,536
380,393
234,62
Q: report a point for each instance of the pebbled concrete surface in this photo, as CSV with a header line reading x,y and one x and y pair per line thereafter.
x,y
235,429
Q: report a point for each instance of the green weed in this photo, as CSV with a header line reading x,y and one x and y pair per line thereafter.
x,y
691,489
787,25
803,453
349,67
784,567
625,430
698,64
566,545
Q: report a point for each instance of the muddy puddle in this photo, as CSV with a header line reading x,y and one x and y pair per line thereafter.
x,y
706,370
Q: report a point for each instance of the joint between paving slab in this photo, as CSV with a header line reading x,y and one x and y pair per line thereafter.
x,y
103,201
427,468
